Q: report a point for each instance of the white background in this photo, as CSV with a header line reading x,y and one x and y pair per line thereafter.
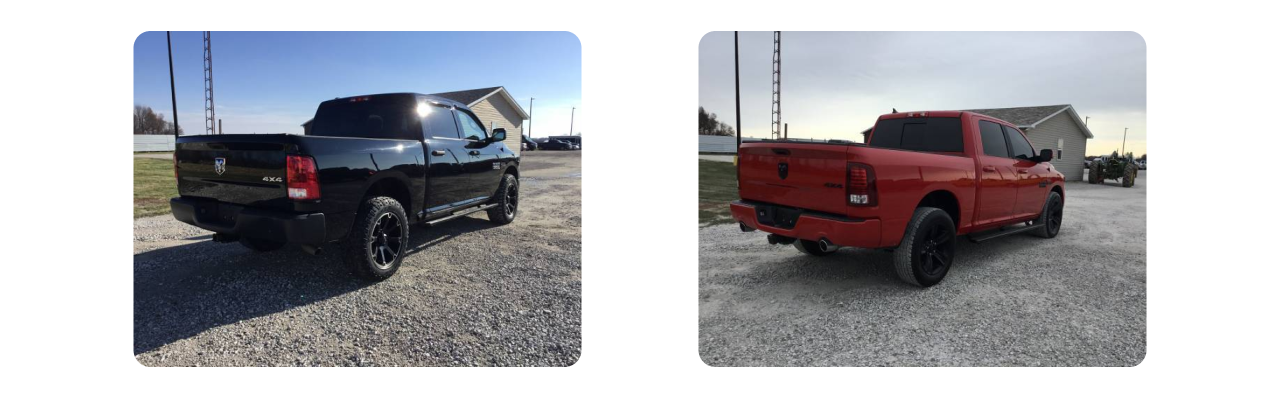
x,y
67,297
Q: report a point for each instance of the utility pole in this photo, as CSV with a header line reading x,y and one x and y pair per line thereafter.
x,y
571,120
530,118
219,125
784,131
209,116
777,85
1086,121
737,101
1126,138
173,94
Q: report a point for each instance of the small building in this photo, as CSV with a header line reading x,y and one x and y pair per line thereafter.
x,y
493,105
1056,127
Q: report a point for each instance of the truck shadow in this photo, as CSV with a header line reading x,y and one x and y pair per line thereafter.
x,y
185,290
873,269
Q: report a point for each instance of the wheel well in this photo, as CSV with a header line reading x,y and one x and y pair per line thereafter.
x,y
511,170
391,188
945,201
1058,189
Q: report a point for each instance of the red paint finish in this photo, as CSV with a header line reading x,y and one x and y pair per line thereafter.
x,y
987,191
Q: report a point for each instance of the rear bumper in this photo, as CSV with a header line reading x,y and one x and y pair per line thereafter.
x,y
847,232
221,217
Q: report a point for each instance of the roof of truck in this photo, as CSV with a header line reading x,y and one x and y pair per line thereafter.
x,y
1022,117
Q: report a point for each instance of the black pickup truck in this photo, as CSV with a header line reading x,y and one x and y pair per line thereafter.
x,y
368,167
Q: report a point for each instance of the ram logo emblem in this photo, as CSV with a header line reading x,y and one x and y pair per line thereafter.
x,y
782,171
220,165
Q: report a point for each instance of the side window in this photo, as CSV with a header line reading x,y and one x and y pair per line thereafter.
x,y
1021,148
993,143
471,129
439,124
1059,148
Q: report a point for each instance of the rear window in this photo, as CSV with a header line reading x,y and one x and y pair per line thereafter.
x,y
919,134
374,118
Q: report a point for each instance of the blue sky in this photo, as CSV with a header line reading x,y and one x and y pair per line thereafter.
x,y
271,82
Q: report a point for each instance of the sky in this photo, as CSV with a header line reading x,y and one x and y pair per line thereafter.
x,y
271,82
835,84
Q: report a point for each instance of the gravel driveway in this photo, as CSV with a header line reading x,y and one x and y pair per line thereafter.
x,y
469,294
1075,300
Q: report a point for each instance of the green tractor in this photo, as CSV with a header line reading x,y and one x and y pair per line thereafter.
x,y
1114,167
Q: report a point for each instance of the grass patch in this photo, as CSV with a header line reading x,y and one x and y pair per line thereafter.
x,y
717,186
153,186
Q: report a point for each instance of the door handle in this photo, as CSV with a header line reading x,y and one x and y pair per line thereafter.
x,y
474,152
438,153
988,168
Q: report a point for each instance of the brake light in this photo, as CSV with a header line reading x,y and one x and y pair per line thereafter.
x,y
303,179
175,165
860,186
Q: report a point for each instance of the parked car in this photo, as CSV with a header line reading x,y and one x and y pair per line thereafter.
x,y
548,144
922,179
575,140
528,144
369,167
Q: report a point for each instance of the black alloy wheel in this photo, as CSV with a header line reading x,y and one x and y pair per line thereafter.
x,y
386,240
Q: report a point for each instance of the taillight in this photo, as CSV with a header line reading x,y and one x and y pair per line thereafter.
x,y
303,179
175,165
860,186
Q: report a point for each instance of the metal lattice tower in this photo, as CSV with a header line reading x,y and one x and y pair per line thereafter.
x,y
777,85
209,118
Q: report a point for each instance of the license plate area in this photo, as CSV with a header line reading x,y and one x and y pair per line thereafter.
x,y
218,214
777,216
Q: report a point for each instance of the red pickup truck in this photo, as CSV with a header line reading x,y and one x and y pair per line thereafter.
x,y
922,179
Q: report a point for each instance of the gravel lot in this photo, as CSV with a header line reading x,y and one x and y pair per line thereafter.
x,y
469,294
1075,300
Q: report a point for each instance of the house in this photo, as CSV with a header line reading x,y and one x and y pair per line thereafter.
x,y
493,105
1056,127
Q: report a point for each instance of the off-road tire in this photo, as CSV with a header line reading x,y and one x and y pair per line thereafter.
x,y
1130,174
508,200
1050,220
358,250
260,245
929,233
810,247
1095,172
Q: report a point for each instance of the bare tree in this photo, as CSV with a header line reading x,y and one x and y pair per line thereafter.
x,y
709,125
147,121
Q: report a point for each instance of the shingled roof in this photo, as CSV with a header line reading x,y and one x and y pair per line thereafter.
x,y
1029,117
468,96
471,97
1022,116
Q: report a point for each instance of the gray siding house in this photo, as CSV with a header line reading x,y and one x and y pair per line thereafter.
x,y
1056,127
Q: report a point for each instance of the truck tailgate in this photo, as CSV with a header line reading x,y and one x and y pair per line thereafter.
x,y
248,172
801,175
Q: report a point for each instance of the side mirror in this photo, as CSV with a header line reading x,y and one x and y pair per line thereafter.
x,y
499,134
1046,155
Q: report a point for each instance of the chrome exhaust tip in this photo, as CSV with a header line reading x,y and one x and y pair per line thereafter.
x,y
745,228
826,245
